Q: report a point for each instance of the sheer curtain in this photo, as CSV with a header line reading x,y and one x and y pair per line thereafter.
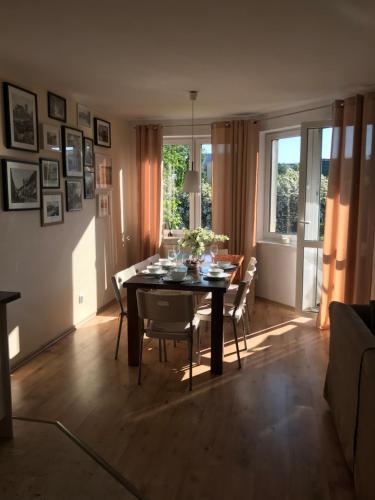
x,y
348,250
235,148
149,140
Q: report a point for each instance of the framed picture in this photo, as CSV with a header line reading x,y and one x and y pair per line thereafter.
x,y
103,204
56,107
52,209
88,148
73,193
72,149
21,185
103,171
83,116
49,173
89,184
21,118
51,138
102,133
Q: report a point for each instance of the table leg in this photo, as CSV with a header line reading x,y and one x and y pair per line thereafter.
x,y
217,332
133,327
6,426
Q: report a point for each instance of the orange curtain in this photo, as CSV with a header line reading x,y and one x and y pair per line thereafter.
x,y
235,148
348,250
149,141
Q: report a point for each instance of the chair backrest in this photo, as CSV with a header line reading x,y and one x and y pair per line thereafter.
x,y
240,298
118,279
165,307
154,258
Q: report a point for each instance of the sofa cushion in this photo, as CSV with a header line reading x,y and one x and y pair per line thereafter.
x,y
372,316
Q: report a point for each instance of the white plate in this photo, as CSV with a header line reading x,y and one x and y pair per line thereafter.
x,y
229,265
146,272
184,280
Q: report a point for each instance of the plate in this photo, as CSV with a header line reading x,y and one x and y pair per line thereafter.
x,y
146,272
210,277
228,266
184,280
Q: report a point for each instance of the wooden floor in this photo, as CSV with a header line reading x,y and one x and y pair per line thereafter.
x,y
261,433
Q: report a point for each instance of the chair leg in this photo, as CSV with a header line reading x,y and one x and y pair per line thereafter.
x,y
160,352
121,317
140,359
236,341
165,350
190,347
244,331
199,345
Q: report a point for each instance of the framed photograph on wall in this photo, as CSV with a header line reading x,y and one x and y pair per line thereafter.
x,y
21,185
83,116
21,118
56,107
89,184
74,194
51,138
52,209
49,173
103,171
88,148
102,133
103,204
72,149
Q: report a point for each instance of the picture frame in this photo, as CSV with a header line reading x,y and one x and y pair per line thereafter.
x,y
51,138
103,204
74,194
102,133
103,171
72,151
88,152
89,184
49,173
52,211
56,107
21,185
83,117
21,118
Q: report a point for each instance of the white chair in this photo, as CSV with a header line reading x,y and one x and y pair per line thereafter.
x,y
141,266
117,280
233,312
169,316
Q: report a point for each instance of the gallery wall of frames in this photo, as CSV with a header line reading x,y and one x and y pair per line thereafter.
x,y
71,164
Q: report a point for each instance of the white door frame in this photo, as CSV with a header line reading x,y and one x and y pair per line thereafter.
x,y
301,242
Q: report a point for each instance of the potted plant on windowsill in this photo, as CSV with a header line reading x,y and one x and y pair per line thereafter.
x,y
197,241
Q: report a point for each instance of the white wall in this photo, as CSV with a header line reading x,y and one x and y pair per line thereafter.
x,y
277,261
51,266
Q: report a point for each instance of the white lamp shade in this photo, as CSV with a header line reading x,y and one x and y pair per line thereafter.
x,y
191,182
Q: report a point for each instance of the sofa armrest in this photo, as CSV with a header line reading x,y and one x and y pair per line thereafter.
x,y
349,339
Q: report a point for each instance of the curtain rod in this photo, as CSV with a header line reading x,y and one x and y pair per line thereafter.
x,y
283,115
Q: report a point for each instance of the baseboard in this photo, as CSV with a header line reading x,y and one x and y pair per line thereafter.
x,y
44,347
269,301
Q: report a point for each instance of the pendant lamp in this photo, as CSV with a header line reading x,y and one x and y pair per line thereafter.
x,y
192,182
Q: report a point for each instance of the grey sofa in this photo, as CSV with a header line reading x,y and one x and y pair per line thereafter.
x,y
350,389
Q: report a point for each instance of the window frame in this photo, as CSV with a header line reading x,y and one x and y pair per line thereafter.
x,y
269,137
194,198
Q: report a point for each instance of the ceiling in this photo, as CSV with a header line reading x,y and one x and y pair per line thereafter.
x,y
139,59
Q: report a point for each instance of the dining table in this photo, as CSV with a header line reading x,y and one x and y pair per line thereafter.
x,y
198,283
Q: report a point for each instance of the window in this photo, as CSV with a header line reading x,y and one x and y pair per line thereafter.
x,y
183,210
282,183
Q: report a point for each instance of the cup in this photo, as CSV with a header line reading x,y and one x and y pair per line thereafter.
x,y
215,271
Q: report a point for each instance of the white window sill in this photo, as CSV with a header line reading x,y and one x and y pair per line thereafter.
x,y
280,243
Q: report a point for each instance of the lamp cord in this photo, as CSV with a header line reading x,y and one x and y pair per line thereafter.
x,y
192,135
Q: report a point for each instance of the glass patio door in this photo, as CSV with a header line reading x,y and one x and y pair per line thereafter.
x,y
313,183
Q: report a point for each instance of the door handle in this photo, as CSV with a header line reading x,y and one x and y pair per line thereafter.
x,y
304,222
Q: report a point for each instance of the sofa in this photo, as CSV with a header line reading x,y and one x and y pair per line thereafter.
x,y
350,389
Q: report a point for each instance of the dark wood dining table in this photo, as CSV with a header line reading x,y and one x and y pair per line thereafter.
x,y
199,284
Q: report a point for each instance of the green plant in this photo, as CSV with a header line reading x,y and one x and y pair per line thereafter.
x,y
198,239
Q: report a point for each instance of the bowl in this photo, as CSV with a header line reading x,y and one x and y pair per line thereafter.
x,y
163,261
223,264
215,271
152,268
179,273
